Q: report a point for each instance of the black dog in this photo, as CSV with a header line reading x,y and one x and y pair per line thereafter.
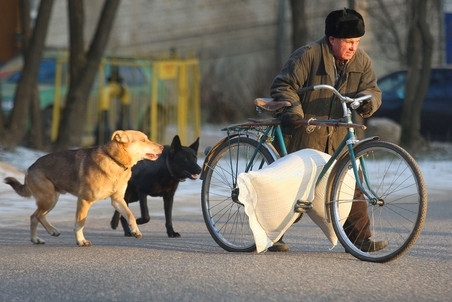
x,y
160,178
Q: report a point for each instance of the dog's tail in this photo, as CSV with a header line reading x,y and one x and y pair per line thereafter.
x,y
20,189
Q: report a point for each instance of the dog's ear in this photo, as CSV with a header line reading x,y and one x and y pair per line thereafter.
x,y
176,144
120,136
195,145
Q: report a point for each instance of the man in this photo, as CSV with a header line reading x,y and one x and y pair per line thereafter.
x,y
335,60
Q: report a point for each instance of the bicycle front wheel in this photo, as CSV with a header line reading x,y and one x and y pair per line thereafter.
x,y
223,213
397,210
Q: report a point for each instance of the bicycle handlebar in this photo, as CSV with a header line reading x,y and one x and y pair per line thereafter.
x,y
354,102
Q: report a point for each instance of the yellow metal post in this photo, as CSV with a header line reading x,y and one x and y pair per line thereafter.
x,y
182,102
153,117
111,90
197,98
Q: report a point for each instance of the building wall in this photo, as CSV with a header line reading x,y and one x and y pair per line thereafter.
x,y
233,39
236,41
194,27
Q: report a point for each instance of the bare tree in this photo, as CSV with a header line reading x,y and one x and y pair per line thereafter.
x,y
26,100
412,48
299,23
419,58
82,69
390,20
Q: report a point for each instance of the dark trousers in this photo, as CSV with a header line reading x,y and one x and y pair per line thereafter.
x,y
357,225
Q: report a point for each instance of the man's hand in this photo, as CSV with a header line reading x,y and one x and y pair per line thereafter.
x,y
288,122
365,109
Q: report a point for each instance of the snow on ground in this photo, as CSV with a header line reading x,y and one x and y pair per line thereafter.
x,y
436,166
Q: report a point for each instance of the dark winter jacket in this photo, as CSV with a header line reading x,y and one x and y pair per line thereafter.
x,y
314,64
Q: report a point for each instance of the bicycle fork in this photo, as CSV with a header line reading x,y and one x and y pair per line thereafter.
x,y
358,166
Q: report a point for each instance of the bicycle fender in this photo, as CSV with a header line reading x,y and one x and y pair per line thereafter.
x,y
211,152
367,139
359,143
272,150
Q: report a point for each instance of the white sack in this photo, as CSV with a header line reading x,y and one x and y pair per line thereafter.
x,y
270,194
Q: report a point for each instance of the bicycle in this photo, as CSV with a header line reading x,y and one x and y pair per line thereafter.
x,y
386,174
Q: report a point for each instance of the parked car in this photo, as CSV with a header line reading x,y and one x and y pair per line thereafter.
x,y
10,75
436,113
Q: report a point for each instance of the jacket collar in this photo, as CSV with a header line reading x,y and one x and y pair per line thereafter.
x,y
328,60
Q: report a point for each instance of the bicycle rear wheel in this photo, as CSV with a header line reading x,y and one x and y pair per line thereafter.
x,y
398,212
223,213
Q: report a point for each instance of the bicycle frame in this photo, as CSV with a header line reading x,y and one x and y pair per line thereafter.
x,y
273,131
253,145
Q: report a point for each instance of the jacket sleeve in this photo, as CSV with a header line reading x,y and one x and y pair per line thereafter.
x,y
290,78
368,85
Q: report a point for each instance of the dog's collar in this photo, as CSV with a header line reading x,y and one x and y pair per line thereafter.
x,y
168,166
115,160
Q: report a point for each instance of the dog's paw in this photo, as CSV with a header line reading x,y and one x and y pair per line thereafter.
x,y
142,220
136,234
55,233
173,235
37,240
84,243
114,224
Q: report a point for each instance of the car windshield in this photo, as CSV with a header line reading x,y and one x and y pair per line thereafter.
x,y
393,84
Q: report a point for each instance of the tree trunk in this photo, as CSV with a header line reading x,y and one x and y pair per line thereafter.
x,y
419,57
26,96
82,70
299,23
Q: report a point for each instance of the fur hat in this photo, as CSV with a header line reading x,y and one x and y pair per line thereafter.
x,y
344,23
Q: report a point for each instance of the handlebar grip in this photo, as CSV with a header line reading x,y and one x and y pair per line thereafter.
x,y
355,105
364,98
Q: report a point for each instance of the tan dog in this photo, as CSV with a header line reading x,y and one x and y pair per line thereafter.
x,y
90,174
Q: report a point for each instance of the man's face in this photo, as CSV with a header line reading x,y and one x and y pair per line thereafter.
x,y
344,48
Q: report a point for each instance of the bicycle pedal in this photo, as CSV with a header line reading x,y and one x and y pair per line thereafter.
x,y
302,206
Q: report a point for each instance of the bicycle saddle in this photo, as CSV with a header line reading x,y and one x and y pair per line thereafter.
x,y
270,104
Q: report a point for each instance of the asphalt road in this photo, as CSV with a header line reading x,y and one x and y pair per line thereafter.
x,y
195,268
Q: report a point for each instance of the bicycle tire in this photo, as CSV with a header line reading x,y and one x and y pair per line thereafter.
x,y
223,214
399,216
